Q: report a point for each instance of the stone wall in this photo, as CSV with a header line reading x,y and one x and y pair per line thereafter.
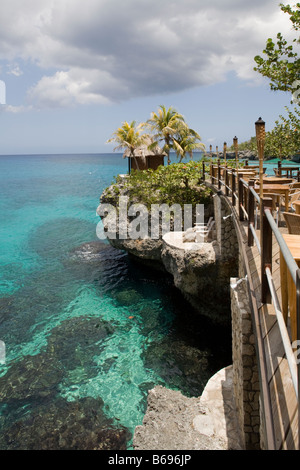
x,y
225,229
245,370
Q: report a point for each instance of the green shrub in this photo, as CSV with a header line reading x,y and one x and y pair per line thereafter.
x,y
179,183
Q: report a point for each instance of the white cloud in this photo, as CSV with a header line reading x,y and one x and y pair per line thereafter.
x,y
2,92
110,50
16,109
14,69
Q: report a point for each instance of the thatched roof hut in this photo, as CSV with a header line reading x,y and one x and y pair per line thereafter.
x,y
143,158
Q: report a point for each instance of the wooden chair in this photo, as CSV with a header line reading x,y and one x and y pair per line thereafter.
x,y
292,222
295,187
294,197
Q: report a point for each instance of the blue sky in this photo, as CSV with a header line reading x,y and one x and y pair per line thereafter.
x,y
73,75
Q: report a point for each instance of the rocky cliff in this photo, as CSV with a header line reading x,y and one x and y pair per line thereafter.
x,y
198,269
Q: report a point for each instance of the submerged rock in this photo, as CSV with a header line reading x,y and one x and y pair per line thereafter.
x,y
127,297
32,377
67,358
52,239
62,425
75,341
181,365
91,251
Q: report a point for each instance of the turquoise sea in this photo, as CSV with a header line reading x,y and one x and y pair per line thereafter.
x,y
269,165
87,330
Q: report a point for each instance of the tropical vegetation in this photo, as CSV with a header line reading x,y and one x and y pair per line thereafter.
x,y
180,183
129,136
170,127
281,64
165,127
282,142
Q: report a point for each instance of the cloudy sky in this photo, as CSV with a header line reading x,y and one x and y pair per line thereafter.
x,y
71,71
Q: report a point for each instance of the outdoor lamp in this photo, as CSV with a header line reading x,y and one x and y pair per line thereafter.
x,y
260,140
260,132
210,151
235,144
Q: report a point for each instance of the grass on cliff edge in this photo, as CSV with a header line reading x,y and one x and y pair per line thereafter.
x,y
179,183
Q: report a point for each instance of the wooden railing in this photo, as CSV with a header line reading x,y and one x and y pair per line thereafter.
x,y
258,213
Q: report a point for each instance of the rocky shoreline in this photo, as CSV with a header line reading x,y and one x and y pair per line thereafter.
x,y
197,268
175,422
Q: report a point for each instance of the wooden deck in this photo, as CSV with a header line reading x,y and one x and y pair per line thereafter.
x,y
283,400
278,399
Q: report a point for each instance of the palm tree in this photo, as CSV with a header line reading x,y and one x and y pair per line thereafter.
x,y
185,142
129,137
165,124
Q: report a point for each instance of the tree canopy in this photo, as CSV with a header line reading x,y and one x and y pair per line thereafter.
x,y
165,125
281,63
171,128
128,136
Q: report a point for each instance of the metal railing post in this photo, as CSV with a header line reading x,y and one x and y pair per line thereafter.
x,y
266,250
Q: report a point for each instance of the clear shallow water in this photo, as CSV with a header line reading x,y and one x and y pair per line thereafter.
x,y
269,165
79,319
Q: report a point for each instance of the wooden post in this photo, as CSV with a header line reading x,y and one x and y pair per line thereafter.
x,y
233,184
266,250
241,198
203,170
251,207
219,175
226,181
279,168
260,140
129,165
211,173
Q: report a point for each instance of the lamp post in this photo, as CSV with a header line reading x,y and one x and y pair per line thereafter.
x,y
210,151
260,140
235,144
224,153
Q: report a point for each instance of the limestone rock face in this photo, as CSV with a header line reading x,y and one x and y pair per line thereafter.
x,y
168,424
189,264
175,422
145,249
200,271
